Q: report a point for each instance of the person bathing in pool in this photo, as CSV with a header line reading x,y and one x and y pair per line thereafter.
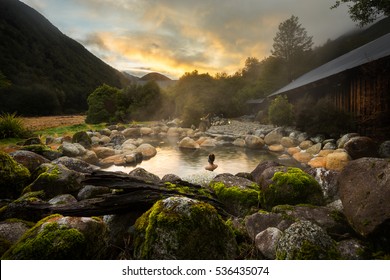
x,y
211,166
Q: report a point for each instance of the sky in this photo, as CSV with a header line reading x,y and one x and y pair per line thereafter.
x,y
177,36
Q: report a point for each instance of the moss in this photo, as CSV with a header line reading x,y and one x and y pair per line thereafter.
x,y
48,240
170,230
237,200
292,187
310,251
37,148
187,189
13,176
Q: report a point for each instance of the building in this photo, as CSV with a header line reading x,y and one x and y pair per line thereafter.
x,y
357,82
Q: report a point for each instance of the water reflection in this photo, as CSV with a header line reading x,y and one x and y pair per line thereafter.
x,y
184,162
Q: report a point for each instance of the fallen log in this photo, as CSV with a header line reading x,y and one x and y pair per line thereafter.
x,y
131,195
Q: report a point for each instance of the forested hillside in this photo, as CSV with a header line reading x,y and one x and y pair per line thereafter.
x,y
46,71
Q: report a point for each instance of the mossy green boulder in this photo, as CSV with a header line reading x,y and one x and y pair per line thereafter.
x,y
305,240
55,179
60,238
183,228
239,195
13,177
291,186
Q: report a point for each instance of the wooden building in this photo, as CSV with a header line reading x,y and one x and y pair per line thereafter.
x,y
357,82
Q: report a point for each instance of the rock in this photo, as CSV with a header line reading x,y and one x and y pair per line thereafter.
x,y
257,173
329,146
288,142
266,242
317,162
28,159
238,194
43,150
89,191
132,132
144,175
76,164
315,149
352,249
183,228
69,149
113,160
276,148
188,143
262,220
10,232
384,149
13,177
170,178
274,137
318,139
344,139
254,142
305,144
361,146
59,238
55,179
293,150
104,140
62,199
145,131
103,152
239,142
117,140
328,182
82,138
90,157
331,220
337,160
146,150
302,157
364,189
289,186
305,240
208,142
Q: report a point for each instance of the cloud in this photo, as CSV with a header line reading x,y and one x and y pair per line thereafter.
x,y
182,35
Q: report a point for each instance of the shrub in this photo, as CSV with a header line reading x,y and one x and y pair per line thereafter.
x,y
280,111
11,126
102,104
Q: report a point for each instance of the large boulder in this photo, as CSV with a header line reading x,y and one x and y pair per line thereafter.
x,y
76,164
267,240
82,138
289,186
364,189
55,179
13,176
29,159
183,228
274,137
144,175
239,195
337,160
10,232
304,240
62,238
188,143
146,150
361,146
254,142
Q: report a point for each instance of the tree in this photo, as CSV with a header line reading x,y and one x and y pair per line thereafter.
x,y
280,111
365,11
291,43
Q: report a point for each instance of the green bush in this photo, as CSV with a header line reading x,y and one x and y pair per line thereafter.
x,y
11,126
102,104
280,111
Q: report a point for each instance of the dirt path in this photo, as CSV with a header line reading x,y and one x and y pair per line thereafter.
x,y
39,123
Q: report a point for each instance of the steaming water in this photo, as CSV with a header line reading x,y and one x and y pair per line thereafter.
x,y
184,162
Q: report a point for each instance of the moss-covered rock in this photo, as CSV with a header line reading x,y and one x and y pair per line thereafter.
x,y
305,240
239,195
59,238
82,138
293,186
183,228
55,179
13,177
42,150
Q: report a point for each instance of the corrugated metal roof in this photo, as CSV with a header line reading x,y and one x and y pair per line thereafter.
x,y
369,52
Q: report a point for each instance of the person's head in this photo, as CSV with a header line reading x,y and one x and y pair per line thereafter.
x,y
211,158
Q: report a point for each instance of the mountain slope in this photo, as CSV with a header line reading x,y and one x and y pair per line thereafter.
x,y
50,73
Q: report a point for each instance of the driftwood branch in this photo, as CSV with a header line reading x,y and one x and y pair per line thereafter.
x,y
133,194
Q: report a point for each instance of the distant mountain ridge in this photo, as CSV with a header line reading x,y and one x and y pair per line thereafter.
x,y
50,73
